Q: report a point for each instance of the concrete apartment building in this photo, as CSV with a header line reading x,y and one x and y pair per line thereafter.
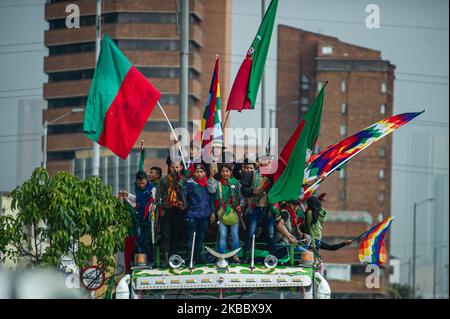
x,y
146,31
359,93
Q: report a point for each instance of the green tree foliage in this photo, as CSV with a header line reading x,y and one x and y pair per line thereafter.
x,y
59,211
401,291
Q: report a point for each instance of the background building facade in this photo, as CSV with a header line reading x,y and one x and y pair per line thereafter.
x,y
147,32
359,93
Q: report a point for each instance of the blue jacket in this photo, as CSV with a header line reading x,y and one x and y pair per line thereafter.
x,y
198,200
142,198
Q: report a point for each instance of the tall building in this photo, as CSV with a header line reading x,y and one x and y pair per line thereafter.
x,y
359,93
146,31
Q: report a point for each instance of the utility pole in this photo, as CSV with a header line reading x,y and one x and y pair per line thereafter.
x,y
263,81
434,268
184,63
95,146
414,245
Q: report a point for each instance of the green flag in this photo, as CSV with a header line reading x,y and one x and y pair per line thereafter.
x,y
246,84
288,185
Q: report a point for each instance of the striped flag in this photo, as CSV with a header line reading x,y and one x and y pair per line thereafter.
x,y
372,249
211,125
335,155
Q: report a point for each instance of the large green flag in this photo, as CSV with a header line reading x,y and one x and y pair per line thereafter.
x,y
246,84
287,187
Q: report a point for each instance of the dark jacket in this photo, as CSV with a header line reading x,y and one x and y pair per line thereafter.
x,y
143,198
249,186
198,200
162,193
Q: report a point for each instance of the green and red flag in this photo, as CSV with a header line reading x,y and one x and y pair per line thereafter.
x,y
120,101
246,84
293,158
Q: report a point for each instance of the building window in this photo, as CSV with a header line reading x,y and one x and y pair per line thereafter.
x,y
381,196
327,49
343,130
382,152
343,86
381,174
305,82
304,101
344,108
305,79
383,87
342,195
380,217
383,109
341,272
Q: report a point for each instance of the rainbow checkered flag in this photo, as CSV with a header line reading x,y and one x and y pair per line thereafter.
x,y
372,249
334,156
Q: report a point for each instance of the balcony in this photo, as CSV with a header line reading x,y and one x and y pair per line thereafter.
x,y
58,10
66,89
120,31
83,61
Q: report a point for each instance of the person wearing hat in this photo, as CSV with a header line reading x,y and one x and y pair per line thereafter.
x,y
288,224
199,209
172,204
255,188
315,217
227,207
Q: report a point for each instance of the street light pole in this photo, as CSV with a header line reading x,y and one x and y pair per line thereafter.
x,y
434,268
45,133
414,244
184,64
282,107
95,146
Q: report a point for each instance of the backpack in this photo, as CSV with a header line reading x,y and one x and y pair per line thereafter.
x,y
226,213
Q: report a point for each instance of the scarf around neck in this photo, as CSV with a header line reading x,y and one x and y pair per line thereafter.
x,y
202,182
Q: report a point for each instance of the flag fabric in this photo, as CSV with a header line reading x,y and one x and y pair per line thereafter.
x,y
119,103
246,84
372,249
141,158
293,157
211,125
130,240
331,158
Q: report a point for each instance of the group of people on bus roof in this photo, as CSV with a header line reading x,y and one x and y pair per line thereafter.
x,y
233,196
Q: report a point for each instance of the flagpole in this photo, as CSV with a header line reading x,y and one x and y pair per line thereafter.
x,y
263,81
174,135
360,236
